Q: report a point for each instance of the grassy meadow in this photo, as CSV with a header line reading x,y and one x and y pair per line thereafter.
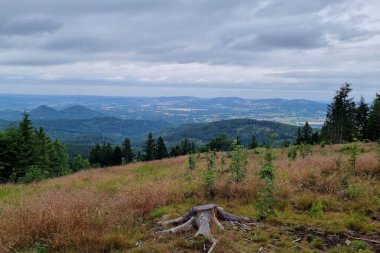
x,y
116,209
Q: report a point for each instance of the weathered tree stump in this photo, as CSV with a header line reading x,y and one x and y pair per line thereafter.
x,y
201,217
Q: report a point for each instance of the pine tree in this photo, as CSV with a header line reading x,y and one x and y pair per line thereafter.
x,y
150,148
374,120
253,143
361,120
127,152
307,133
25,152
162,151
340,118
176,151
238,141
186,146
117,156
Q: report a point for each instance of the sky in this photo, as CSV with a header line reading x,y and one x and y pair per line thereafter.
x,y
209,48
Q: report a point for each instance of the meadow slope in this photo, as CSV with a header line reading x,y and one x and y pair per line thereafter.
x,y
116,209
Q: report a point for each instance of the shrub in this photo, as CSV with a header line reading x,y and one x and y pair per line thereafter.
x,y
209,182
353,151
316,209
239,160
355,191
305,150
33,173
191,162
266,201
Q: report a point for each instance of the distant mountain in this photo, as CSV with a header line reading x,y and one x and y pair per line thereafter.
x,y
244,128
175,110
80,112
72,112
44,112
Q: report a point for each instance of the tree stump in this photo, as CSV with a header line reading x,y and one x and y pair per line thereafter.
x,y
201,217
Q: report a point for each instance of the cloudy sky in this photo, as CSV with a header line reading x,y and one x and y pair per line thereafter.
x,y
204,48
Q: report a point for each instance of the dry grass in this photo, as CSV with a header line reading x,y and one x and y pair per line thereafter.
x,y
104,210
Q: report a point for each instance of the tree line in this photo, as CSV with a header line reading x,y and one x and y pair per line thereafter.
x,y
104,155
28,154
345,121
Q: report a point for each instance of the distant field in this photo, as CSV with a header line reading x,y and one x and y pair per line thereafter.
x,y
116,209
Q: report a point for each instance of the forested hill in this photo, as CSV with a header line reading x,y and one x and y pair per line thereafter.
x,y
244,128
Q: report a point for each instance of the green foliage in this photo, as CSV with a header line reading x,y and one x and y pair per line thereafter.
x,y
127,151
150,148
162,151
317,243
355,191
374,120
378,152
105,155
253,143
192,162
40,248
28,153
239,161
353,150
305,150
266,201
359,245
78,163
220,143
292,154
209,182
33,173
316,209
339,126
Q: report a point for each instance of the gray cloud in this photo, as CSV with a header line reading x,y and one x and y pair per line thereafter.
x,y
220,43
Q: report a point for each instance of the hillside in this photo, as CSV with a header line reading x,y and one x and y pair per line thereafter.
x,y
244,128
117,209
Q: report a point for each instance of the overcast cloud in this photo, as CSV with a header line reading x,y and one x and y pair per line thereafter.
x,y
246,48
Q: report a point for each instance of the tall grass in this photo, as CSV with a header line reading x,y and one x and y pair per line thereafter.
x,y
94,210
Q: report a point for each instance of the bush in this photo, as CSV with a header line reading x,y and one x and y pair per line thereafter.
x,y
355,191
33,173
192,162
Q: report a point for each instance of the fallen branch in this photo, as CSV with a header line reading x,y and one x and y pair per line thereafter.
x,y
362,239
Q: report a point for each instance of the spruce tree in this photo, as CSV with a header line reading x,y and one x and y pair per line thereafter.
x,y
150,148
117,156
374,120
162,151
307,133
186,146
339,126
253,143
127,152
361,120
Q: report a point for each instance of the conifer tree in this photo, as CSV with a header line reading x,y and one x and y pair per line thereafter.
x,y
253,143
150,148
340,118
117,156
374,120
361,120
127,152
162,151
307,133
